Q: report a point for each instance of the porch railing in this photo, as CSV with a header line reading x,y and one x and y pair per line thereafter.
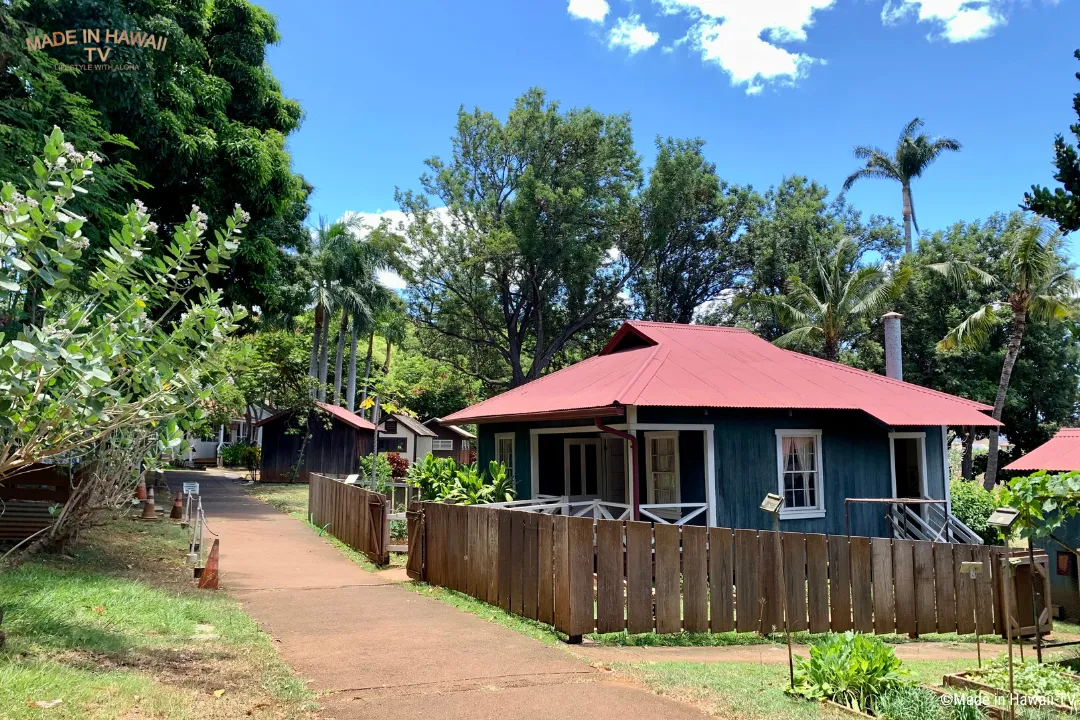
x,y
606,510
938,525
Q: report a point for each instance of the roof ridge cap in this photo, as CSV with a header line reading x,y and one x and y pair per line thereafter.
x,y
689,326
641,370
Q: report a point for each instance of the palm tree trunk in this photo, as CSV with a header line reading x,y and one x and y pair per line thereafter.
x,y
340,356
967,463
367,366
313,367
386,365
1016,337
351,396
323,352
907,219
832,348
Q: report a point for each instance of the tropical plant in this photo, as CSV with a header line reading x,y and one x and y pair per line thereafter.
x,y
913,154
1045,501
1033,283
851,669
432,476
973,504
909,703
502,483
1031,679
129,351
399,466
838,295
442,480
384,471
1063,204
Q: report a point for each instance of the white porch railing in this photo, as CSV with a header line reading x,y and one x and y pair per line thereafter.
x,y
606,510
937,526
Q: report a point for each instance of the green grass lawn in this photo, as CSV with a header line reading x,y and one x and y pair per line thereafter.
x,y
117,629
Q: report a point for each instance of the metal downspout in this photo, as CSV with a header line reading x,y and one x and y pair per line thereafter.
x,y
635,473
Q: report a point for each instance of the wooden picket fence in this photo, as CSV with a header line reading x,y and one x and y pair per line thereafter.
x,y
355,516
641,577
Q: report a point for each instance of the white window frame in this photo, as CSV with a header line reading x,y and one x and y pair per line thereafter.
x,y
818,511
513,451
440,444
921,437
649,488
582,443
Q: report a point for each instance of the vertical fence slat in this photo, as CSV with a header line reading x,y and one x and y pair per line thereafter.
x,y
473,566
904,586
506,537
639,578
609,576
582,595
965,591
772,608
995,584
517,559
747,566
862,609
984,590
817,582
530,568
695,579
721,588
545,579
925,595
884,607
494,557
839,584
795,578
561,557
668,618
945,586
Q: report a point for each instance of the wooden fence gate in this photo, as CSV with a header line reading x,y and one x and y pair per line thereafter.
x,y
666,578
355,516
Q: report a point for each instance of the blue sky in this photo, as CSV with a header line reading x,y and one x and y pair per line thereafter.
x,y
775,87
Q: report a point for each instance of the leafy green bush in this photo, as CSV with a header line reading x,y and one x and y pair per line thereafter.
x,y
972,504
383,472
441,480
909,703
850,669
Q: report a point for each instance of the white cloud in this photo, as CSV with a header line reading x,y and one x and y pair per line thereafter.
x,y
631,33
957,20
745,38
595,10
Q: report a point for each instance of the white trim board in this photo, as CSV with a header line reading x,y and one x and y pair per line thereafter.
x,y
802,513
921,436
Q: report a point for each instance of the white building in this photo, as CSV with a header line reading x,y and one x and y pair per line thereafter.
x,y
406,436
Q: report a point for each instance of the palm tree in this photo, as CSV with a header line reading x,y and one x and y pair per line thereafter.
x,y
913,154
841,293
1034,283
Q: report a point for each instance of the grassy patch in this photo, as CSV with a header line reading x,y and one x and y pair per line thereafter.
x,y
802,638
117,630
750,691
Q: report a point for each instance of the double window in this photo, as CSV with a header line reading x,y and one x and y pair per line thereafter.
x,y
798,466
437,444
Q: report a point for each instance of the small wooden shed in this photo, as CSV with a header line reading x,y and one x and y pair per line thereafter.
x,y
330,441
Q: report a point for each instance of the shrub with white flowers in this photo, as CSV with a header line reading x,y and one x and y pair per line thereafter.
x,y
122,350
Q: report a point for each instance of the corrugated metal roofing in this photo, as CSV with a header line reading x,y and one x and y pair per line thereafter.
x,y
1060,453
671,365
414,425
349,418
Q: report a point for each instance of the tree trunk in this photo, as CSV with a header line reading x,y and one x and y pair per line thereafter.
x,y
1016,337
367,367
351,391
907,219
967,463
832,348
386,365
323,353
340,356
313,367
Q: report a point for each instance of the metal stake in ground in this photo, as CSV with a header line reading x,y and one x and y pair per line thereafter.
x,y
772,504
1034,602
1004,519
973,569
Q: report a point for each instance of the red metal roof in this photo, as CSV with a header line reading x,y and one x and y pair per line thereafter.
x,y
671,365
1060,453
349,418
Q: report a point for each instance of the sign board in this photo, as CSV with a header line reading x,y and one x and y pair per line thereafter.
x,y
351,480
191,488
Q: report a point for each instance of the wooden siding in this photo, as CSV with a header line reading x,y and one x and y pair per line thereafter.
x,y
333,448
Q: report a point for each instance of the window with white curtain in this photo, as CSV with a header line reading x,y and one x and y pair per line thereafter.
x,y
799,474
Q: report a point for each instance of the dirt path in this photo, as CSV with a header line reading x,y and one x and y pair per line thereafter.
x,y
372,649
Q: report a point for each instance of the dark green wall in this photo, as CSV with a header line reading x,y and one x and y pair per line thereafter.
x,y
855,461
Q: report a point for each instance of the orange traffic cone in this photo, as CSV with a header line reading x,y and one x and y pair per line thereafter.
x,y
140,489
148,511
177,507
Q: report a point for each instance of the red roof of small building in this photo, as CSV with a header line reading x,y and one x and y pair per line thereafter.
x,y
672,365
1060,453
349,418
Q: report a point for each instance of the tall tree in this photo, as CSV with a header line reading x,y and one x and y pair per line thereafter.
x,y
206,120
692,220
822,311
1063,204
1032,283
913,154
539,236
